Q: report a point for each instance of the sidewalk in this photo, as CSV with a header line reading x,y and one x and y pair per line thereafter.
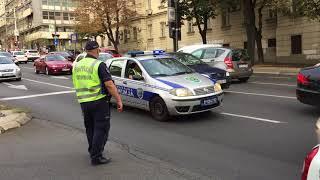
x,y
43,150
275,70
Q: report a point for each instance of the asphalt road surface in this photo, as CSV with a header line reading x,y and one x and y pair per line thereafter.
x,y
260,132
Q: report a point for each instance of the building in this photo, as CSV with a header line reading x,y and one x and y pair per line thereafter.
x,y
286,39
36,22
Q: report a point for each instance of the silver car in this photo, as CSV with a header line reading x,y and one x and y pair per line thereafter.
x,y
235,61
9,70
163,86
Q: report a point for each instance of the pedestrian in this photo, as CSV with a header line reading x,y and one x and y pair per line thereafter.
x,y
94,88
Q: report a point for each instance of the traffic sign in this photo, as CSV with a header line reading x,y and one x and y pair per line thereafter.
x,y
74,38
56,41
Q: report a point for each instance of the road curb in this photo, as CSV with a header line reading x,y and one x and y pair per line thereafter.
x,y
276,73
13,118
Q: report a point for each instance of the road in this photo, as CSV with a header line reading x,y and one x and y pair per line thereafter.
x,y
261,132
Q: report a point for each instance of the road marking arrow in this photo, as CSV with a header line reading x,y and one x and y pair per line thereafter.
x,y
21,87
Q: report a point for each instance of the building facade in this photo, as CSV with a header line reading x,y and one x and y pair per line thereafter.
x,y
36,22
286,39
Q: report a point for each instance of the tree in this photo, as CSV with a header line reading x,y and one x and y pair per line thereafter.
x,y
107,16
201,11
311,8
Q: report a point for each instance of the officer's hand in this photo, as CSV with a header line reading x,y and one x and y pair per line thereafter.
x,y
120,106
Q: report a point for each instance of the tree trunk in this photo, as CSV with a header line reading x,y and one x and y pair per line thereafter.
x,y
249,15
259,48
204,37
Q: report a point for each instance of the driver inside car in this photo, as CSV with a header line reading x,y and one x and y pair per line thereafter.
x,y
134,70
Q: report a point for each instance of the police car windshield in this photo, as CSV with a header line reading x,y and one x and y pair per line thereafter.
x,y
5,60
187,59
165,67
104,57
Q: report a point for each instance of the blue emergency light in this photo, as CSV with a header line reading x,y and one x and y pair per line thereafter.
x,y
158,52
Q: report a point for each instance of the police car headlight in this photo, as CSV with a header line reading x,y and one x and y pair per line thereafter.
x,y
181,92
227,74
217,87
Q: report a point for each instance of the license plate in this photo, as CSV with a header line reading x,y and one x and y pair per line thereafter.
x,y
222,81
243,65
208,102
7,74
65,69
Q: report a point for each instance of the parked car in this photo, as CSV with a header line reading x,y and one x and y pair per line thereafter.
x,y
308,86
32,55
52,64
221,76
111,51
66,55
6,54
20,56
9,70
163,86
235,61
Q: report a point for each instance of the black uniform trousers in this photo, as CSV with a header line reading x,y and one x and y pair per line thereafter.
x,y
97,123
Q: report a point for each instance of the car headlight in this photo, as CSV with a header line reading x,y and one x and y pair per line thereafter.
x,y
181,92
227,74
18,69
217,87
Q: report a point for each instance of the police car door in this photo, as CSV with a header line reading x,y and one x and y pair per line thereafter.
x,y
117,68
136,86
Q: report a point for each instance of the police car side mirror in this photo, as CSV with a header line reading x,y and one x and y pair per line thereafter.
x,y
137,77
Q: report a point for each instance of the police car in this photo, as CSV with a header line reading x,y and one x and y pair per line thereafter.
x,y
164,86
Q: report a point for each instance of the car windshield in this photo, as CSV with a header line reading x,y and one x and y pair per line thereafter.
x,y
18,53
33,51
5,60
55,58
64,54
188,59
165,67
104,57
5,54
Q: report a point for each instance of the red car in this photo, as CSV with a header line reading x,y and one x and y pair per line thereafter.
x,y
52,64
113,52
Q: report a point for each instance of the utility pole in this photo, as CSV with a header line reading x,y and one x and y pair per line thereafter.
x,y
16,32
177,28
174,24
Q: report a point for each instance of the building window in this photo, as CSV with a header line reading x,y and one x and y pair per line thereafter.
x,y
149,4
163,29
57,15
226,45
190,27
225,18
44,2
51,15
272,13
121,35
245,45
56,2
135,33
296,44
272,43
66,16
72,16
45,14
149,31
209,23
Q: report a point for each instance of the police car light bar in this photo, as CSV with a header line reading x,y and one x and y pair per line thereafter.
x,y
145,53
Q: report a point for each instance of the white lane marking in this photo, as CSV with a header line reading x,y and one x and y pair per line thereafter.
x,y
22,87
36,95
275,84
272,77
257,94
50,84
27,68
253,118
59,77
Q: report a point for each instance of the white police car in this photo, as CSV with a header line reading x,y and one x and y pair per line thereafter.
x,y
163,86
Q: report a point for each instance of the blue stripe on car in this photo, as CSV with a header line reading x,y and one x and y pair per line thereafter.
x,y
171,84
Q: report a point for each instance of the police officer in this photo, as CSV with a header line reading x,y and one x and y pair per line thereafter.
x,y
94,88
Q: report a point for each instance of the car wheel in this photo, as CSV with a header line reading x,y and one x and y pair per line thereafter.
x,y
35,70
47,71
18,79
244,79
159,109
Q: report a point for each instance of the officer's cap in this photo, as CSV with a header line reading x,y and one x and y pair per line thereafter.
x,y
91,45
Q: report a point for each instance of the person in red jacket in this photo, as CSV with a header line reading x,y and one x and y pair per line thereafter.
x,y
311,165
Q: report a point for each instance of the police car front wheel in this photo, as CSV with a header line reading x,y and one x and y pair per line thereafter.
x,y
159,109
